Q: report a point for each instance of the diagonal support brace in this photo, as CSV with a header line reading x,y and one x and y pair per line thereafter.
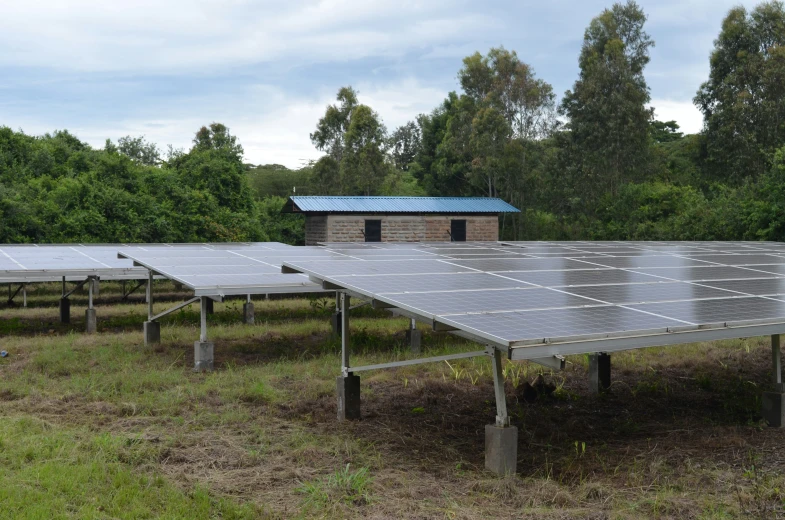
x,y
175,308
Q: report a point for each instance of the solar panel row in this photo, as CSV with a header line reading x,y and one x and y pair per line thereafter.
x,y
530,292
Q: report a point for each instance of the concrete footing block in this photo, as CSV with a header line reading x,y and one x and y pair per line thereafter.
x,y
335,321
348,397
210,309
599,372
65,310
248,317
501,449
91,321
414,339
203,356
152,333
773,408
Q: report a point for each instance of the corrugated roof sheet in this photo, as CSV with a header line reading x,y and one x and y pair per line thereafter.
x,y
330,204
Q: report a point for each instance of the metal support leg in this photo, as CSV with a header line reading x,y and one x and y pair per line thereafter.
x,y
203,349
773,403
149,294
348,384
65,306
152,329
91,322
24,295
599,372
335,319
501,439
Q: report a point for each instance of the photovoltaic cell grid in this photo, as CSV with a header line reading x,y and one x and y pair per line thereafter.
x,y
41,263
525,292
230,270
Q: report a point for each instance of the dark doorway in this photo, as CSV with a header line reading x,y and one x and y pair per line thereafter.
x,y
458,230
373,230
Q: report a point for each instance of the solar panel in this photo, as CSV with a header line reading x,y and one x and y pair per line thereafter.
x,y
381,284
546,295
557,323
649,292
50,262
221,272
434,304
758,287
574,277
736,309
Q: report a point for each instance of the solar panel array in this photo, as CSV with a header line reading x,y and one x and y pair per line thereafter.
x,y
231,268
520,293
43,263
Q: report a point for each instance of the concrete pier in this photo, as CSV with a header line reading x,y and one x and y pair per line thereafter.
x,y
91,321
348,397
248,313
501,449
773,403
152,333
203,356
599,372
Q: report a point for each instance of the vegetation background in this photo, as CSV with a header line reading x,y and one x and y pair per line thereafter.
x,y
594,164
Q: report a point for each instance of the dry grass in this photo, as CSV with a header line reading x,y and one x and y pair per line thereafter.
x,y
678,436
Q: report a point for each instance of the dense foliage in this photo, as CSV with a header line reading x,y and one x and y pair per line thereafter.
x,y
55,188
594,165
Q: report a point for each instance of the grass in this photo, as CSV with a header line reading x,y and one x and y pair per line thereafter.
x,y
100,426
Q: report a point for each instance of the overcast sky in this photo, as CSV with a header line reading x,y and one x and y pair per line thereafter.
x,y
267,69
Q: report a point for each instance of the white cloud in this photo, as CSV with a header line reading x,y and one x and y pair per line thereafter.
x,y
688,117
178,35
272,125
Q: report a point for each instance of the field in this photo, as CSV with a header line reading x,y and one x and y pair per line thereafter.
x,y
99,426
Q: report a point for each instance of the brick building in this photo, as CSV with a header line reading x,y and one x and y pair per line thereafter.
x,y
398,219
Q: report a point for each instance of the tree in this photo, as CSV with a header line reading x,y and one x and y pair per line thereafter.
x,y
355,139
503,81
216,137
138,150
215,164
743,101
363,166
403,145
489,137
608,116
665,132
330,130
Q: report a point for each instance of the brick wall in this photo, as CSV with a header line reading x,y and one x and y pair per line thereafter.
x,y
397,228
345,228
482,228
315,229
477,228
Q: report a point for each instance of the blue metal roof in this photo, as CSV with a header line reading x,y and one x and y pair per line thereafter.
x,y
330,204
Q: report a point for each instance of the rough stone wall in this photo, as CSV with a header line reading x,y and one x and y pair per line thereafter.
x,y
437,229
345,228
404,228
315,229
482,228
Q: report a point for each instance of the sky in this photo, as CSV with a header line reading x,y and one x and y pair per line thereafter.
x,y
268,69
